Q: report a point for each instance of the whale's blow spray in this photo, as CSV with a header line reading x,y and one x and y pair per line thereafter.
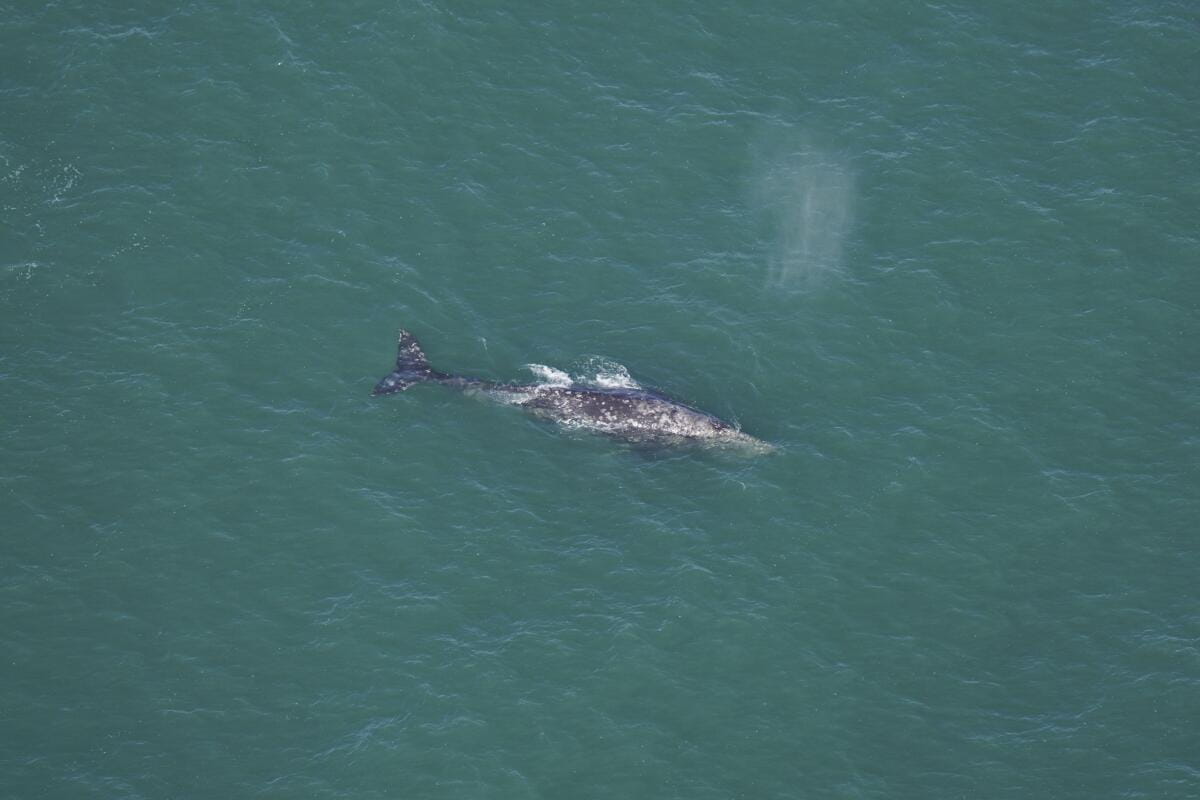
x,y
808,197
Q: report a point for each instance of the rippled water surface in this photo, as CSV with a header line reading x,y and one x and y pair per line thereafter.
x,y
943,257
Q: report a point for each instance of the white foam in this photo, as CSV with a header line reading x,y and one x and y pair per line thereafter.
x,y
606,374
550,376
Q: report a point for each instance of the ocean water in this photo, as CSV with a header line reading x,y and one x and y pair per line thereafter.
x,y
944,257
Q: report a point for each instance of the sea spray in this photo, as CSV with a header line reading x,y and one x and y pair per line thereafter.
x,y
807,196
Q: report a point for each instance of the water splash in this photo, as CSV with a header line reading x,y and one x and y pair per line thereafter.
x,y
606,374
549,376
599,372
808,196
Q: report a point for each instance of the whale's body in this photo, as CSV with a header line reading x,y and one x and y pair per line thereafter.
x,y
629,413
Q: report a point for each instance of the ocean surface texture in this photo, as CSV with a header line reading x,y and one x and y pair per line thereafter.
x,y
944,256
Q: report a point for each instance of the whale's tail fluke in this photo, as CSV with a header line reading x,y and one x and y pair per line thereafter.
x,y
411,367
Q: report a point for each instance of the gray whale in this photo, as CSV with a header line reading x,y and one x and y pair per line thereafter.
x,y
631,414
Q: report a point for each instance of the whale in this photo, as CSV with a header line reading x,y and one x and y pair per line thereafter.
x,y
630,414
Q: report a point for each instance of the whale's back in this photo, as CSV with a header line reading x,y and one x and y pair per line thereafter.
x,y
632,414
625,412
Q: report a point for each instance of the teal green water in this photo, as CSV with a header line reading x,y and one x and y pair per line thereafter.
x,y
945,258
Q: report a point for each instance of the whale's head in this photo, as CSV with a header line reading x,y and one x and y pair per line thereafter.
x,y
730,437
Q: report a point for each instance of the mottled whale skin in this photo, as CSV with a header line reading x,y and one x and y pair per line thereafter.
x,y
632,414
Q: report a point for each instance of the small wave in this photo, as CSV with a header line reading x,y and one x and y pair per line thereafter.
x,y
549,375
607,374
598,372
